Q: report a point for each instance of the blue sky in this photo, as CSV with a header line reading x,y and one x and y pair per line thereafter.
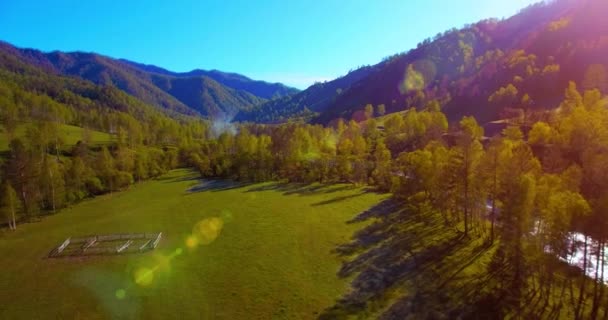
x,y
291,41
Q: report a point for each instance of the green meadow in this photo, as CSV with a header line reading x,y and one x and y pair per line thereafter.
x,y
262,251
70,134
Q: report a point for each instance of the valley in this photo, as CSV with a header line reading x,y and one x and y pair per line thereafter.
x,y
463,178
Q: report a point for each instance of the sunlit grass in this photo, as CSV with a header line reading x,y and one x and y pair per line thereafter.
x,y
253,252
71,135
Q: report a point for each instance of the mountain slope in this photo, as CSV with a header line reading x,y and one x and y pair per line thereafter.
x,y
534,53
197,91
305,104
487,69
35,94
206,95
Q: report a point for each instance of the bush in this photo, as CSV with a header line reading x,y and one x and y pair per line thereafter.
x,y
122,179
94,185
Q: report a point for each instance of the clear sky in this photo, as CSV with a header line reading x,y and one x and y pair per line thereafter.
x,y
296,42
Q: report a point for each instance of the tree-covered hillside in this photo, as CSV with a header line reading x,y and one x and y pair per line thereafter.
x,y
46,167
206,93
489,69
304,104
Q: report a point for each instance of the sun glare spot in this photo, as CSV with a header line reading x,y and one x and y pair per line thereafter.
x,y
418,75
144,276
207,230
191,242
120,294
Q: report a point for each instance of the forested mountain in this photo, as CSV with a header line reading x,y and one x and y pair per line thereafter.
x,y
485,69
237,81
196,92
305,104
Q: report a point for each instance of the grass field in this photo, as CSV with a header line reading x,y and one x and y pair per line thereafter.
x,y
263,251
71,135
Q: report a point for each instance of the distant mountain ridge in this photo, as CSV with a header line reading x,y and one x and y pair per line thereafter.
x,y
237,81
208,93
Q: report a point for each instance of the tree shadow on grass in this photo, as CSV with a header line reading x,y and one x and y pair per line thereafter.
x,y
338,199
217,185
292,188
287,188
407,264
171,179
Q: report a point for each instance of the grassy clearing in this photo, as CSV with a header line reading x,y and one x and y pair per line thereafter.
x,y
273,257
71,135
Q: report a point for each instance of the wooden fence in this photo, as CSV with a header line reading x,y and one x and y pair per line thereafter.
x,y
107,244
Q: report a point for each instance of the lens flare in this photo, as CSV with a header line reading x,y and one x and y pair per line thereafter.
x,y
413,80
207,230
120,294
191,242
418,75
144,276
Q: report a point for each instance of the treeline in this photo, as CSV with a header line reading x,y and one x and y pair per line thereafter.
x,y
527,190
348,152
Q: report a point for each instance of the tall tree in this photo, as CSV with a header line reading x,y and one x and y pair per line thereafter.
x,y
52,183
468,156
9,204
9,115
382,166
105,168
22,170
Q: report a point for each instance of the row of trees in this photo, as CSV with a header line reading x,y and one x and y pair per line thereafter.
x,y
35,181
349,152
